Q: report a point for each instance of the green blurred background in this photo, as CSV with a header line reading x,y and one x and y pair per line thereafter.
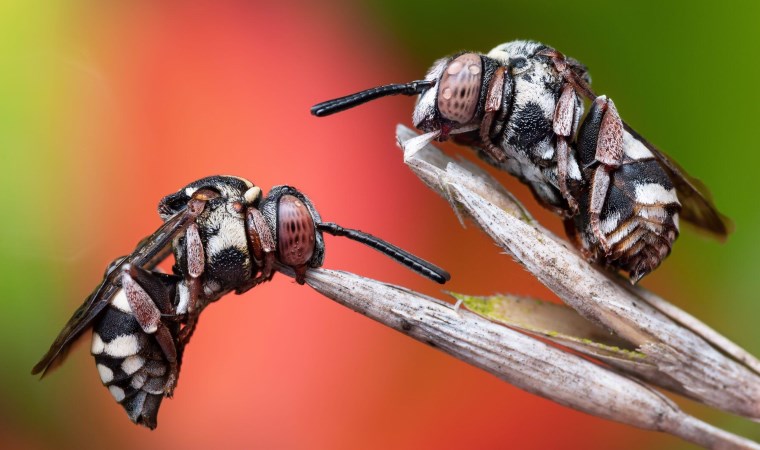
x,y
104,108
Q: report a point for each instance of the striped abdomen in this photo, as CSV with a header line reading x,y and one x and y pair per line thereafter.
x,y
130,362
639,219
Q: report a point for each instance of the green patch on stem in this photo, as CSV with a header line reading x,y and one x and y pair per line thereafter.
x,y
556,322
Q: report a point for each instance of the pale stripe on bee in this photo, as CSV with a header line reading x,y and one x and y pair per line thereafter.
x,y
120,302
122,346
653,193
117,393
184,297
634,149
132,364
106,374
97,344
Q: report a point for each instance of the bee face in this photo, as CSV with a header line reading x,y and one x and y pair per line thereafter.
x,y
456,98
459,88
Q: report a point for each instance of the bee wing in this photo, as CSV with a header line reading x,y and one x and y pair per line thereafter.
x,y
148,253
697,206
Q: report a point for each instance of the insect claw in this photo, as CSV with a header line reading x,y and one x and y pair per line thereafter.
x,y
171,381
300,274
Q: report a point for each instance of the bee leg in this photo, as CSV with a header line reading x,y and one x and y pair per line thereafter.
x,y
600,143
563,164
571,71
564,125
540,194
196,264
192,316
571,230
195,253
159,286
142,305
148,316
493,104
168,347
262,248
609,142
600,185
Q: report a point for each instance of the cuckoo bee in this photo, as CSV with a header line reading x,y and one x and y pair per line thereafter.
x,y
225,236
520,107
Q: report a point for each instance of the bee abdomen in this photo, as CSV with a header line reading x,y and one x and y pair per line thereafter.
x,y
130,363
640,218
639,245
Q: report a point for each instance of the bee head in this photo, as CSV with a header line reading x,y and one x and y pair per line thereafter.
x,y
452,95
293,220
297,230
458,96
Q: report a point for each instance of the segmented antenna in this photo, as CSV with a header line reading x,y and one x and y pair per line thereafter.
x,y
349,101
415,263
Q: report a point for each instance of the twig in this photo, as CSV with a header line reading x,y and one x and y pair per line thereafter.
x,y
519,359
705,365
668,347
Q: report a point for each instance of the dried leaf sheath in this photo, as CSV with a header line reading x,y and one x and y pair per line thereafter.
x,y
700,365
518,359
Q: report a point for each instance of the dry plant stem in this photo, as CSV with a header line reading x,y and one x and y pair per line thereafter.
x,y
519,359
687,320
563,326
703,371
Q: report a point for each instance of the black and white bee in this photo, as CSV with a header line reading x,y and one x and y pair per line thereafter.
x,y
520,107
225,237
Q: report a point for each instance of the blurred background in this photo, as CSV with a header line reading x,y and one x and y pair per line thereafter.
x,y
107,106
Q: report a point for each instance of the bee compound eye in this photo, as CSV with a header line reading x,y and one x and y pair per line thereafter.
x,y
459,88
296,235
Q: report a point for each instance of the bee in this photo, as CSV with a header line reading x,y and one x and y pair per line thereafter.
x,y
225,236
519,107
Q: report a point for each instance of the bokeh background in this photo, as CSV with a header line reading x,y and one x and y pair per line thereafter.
x,y
107,106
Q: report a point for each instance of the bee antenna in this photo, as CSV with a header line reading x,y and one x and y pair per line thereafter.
x,y
349,101
415,263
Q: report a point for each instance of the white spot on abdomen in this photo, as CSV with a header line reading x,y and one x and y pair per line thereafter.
x,y
120,302
653,193
634,149
123,346
97,344
609,224
117,392
657,214
621,234
138,380
132,364
106,374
